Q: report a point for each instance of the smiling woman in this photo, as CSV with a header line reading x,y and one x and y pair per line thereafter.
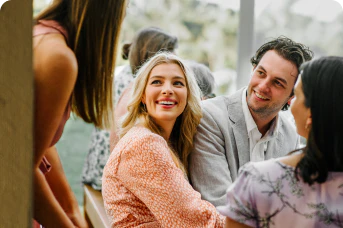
x,y
145,181
165,95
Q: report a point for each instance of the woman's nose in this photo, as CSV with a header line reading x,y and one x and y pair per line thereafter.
x,y
167,89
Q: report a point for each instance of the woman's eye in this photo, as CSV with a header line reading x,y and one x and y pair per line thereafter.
x,y
178,83
156,82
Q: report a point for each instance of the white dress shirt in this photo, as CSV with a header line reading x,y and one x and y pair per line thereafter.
x,y
258,145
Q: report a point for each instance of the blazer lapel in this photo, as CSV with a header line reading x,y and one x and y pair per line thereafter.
x,y
239,128
275,145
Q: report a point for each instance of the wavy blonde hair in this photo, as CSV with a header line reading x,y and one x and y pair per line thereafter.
x,y
181,138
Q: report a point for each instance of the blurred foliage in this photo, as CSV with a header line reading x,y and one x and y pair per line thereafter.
x,y
323,37
207,32
202,29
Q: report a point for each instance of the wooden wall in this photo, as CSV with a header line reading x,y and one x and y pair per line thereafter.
x,y
16,113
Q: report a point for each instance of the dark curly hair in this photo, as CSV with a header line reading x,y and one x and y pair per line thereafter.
x,y
296,53
322,83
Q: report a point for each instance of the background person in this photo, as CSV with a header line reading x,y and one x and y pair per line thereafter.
x,y
145,181
73,65
146,43
305,186
204,77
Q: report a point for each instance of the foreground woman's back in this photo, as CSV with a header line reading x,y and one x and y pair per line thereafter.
x,y
270,196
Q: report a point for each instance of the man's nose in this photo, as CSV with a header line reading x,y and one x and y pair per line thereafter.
x,y
265,84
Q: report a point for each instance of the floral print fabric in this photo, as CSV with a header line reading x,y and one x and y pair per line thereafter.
x,y
267,194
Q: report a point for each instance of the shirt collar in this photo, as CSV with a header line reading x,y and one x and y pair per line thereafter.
x,y
249,121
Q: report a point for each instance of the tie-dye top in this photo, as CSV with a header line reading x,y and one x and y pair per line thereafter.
x,y
142,187
267,194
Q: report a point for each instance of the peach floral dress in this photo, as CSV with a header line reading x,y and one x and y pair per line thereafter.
x,y
142,187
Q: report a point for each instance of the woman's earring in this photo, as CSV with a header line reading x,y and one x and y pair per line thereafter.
x,y
307,127
308,124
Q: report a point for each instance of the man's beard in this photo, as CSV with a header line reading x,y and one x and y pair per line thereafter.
x,y
265,111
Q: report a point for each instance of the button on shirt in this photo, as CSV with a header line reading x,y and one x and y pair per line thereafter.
x,y
258,145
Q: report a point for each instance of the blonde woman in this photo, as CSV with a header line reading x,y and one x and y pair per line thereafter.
x,y
145,182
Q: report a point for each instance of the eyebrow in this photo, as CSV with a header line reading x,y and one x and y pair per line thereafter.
x,y
278,78
281,79
174,77
261,68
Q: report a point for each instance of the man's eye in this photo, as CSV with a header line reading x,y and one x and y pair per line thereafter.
x,y
278,83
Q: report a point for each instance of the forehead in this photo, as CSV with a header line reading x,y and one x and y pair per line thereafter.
x,y
277,66
167,70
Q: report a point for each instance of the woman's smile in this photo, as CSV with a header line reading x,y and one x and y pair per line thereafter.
x,y
165,95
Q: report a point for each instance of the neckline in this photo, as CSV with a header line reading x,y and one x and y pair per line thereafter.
x,y
293,168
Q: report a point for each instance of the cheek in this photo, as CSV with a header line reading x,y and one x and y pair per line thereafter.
x,y
184,96
252,84
150,94
298,113
254,79
293,107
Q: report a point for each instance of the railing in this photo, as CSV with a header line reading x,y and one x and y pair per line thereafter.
x,y
94,208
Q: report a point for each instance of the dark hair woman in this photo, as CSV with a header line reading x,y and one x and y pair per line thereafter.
x,y
307,185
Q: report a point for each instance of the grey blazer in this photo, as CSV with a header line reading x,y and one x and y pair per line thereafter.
x,y
221,146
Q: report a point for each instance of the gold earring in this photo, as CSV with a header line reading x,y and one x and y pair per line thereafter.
x,y
307,127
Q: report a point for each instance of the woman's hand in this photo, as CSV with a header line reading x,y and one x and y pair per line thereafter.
x,y
78,220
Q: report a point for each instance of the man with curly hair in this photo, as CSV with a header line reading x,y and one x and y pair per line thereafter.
x,y
248,125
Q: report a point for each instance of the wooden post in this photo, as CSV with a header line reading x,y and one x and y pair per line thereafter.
x,y
16,114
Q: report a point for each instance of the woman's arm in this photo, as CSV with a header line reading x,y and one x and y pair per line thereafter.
x,y
59,186
55,69
149,172
47,210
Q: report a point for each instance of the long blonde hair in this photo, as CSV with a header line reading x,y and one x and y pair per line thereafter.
x,y
93,28
181,138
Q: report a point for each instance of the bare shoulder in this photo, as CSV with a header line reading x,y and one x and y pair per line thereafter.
x,y
52,57
291,160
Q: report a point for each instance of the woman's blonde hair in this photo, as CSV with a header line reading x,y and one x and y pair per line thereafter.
x,y
93,28
181,138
